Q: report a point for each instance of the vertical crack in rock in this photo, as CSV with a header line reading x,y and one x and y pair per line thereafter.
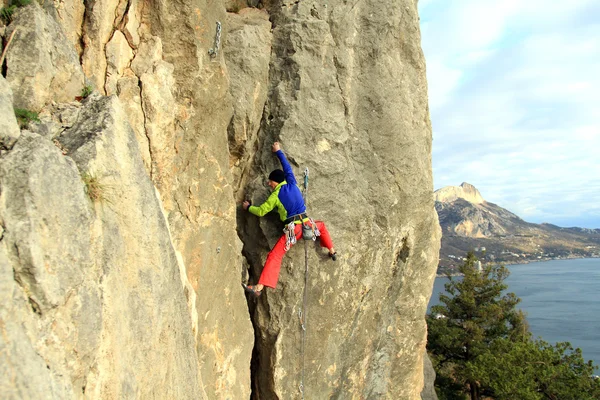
x,y
111,36
403,252
254,240
84,23
338,67
150,150
18,278
4,66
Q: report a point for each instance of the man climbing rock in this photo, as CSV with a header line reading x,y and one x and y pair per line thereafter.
x,y
290,205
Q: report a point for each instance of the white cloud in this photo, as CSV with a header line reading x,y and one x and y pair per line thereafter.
x,y
515,99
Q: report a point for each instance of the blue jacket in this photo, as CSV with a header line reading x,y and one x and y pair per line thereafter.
x,y
286,196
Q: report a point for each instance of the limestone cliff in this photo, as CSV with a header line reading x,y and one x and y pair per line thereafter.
x,y
122,243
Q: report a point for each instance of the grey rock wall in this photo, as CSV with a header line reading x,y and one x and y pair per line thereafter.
x,y
192,173
247,52
428,392
348,99
42,65
9,130
97,295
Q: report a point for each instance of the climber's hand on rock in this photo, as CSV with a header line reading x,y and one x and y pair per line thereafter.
x,y
246,204
276,147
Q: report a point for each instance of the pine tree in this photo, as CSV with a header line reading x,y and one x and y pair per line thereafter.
x,y
480,346
473,315
535,370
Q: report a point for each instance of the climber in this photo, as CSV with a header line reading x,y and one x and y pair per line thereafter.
x,y
288,199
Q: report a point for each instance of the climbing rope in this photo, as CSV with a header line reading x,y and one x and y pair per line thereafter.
x,y
302,312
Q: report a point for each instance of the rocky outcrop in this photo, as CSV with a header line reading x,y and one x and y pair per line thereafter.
x,y
464,212
122,245
9,130
465,191
94,294
70,15
462,218
42,66
428,392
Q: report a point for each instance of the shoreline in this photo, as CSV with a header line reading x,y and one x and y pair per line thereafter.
x,y
524,262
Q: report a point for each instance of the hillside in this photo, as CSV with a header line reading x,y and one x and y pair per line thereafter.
x,y
498,235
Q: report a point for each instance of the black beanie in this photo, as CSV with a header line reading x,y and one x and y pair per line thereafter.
x,y
277,175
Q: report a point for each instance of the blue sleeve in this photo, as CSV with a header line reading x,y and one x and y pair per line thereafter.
x,y
287,169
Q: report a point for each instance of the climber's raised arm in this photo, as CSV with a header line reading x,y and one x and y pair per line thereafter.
x,y
287,169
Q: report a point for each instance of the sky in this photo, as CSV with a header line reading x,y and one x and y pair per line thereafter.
x,y
514,95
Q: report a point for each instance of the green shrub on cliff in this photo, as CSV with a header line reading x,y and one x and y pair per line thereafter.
x,y
86,91
481,347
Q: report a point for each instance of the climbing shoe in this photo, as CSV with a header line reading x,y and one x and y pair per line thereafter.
x,y
252,290
333,256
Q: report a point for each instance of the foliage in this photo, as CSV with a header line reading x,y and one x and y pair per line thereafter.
x,y
6,13
86,91
480,346
532,370
19,3
25,117
96,191
475,313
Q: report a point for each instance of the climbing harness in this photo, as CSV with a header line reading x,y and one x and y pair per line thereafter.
x,y
302,312
213,52
310,230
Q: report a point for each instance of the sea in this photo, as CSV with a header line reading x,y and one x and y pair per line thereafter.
x,y
561,299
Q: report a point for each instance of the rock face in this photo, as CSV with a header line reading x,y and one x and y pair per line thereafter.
x,y
122,243
42,65
9,130
95,288
247,52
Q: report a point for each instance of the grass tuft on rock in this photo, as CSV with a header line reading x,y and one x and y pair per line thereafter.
x,y
95,190
25,117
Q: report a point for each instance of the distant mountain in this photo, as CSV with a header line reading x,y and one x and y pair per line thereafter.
x,y
470,223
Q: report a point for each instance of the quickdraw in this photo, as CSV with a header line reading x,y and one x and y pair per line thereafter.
x,y
290,235
215,50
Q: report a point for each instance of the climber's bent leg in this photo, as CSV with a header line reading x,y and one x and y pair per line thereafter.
x,y
324,239
270,272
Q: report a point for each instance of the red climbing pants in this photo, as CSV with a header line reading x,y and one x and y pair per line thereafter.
x,y
270,272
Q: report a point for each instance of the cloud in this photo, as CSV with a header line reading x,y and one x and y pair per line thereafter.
x,y
515,98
